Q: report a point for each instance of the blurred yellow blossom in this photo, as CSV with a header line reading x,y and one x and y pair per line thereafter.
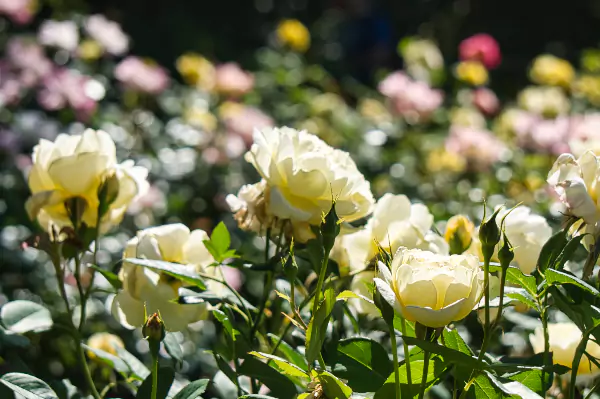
x,y
89,50
440,160
588,86
472,72
325,103
200,118
550,70
105,342
196,70
590,60
374,110
293,33
459,233
467,117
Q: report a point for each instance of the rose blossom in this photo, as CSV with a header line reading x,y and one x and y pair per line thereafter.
x,y
61,34
28,60
19,11
232,80
139,75
481,47
108,33
585,133
479,146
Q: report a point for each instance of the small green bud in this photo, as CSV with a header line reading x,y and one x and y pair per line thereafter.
x,y
489,235
506,253
330,228
154,329
107,194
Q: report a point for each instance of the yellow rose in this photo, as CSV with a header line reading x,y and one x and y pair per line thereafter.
x,y
293,33
459,233
196,70
304,175
433,290
90,50
550,70
588,86
158,292
472,72
77,168
564,339
105,342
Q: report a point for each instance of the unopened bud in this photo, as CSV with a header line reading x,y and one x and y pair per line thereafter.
x,y
107,194
154,328
459,234
506,253
489,235
330,228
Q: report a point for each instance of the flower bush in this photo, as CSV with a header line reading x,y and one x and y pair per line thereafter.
x,y
211,229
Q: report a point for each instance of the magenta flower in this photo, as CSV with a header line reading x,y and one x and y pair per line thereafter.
x,y
232,80
413,100
139,75
19,11
481,47
480,147
66,88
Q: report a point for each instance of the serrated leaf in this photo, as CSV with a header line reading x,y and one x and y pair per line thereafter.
x,y
111,277
284,366
173,348
558,277
317,327
176,270
193,390
25,316
28,386
346,295
333,387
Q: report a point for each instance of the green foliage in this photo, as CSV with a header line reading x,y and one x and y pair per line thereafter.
x,y
317,327
28,386
25,316
219,244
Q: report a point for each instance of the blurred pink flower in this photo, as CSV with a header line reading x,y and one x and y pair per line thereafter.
x,y
19,11
10,86
241,120
154,198
481,47
68,88
142,76
486,101
61,34
585,133
548,135
27,59
232,80
233,277
480,147
108,33
414,100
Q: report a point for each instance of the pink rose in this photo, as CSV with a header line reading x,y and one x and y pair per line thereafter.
x,y
19,11
486,101
141,76
481,47
480,147
232,80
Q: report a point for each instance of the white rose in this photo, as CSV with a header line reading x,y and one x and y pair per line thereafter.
x,y
576,183
431,289
304,175
527,232
548,101
172,243
76,167
564,339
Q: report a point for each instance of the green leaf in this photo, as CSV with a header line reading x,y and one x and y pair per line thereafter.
x,y
256,396
453,340
494,387
449,355
410,326
289,353
176,270
523,297
28,386
532,379
551,250
317,327
110,360
557,277
166,376
364,363
435,369
137,368
25,316
333,387
173,348
283,365
225,367
280,385
567,252
218,245
111,277
193,390
224,320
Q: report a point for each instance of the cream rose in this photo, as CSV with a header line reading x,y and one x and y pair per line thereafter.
x,y
564,339
142,286
77,167
576,183
304,175
429,288
395,223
